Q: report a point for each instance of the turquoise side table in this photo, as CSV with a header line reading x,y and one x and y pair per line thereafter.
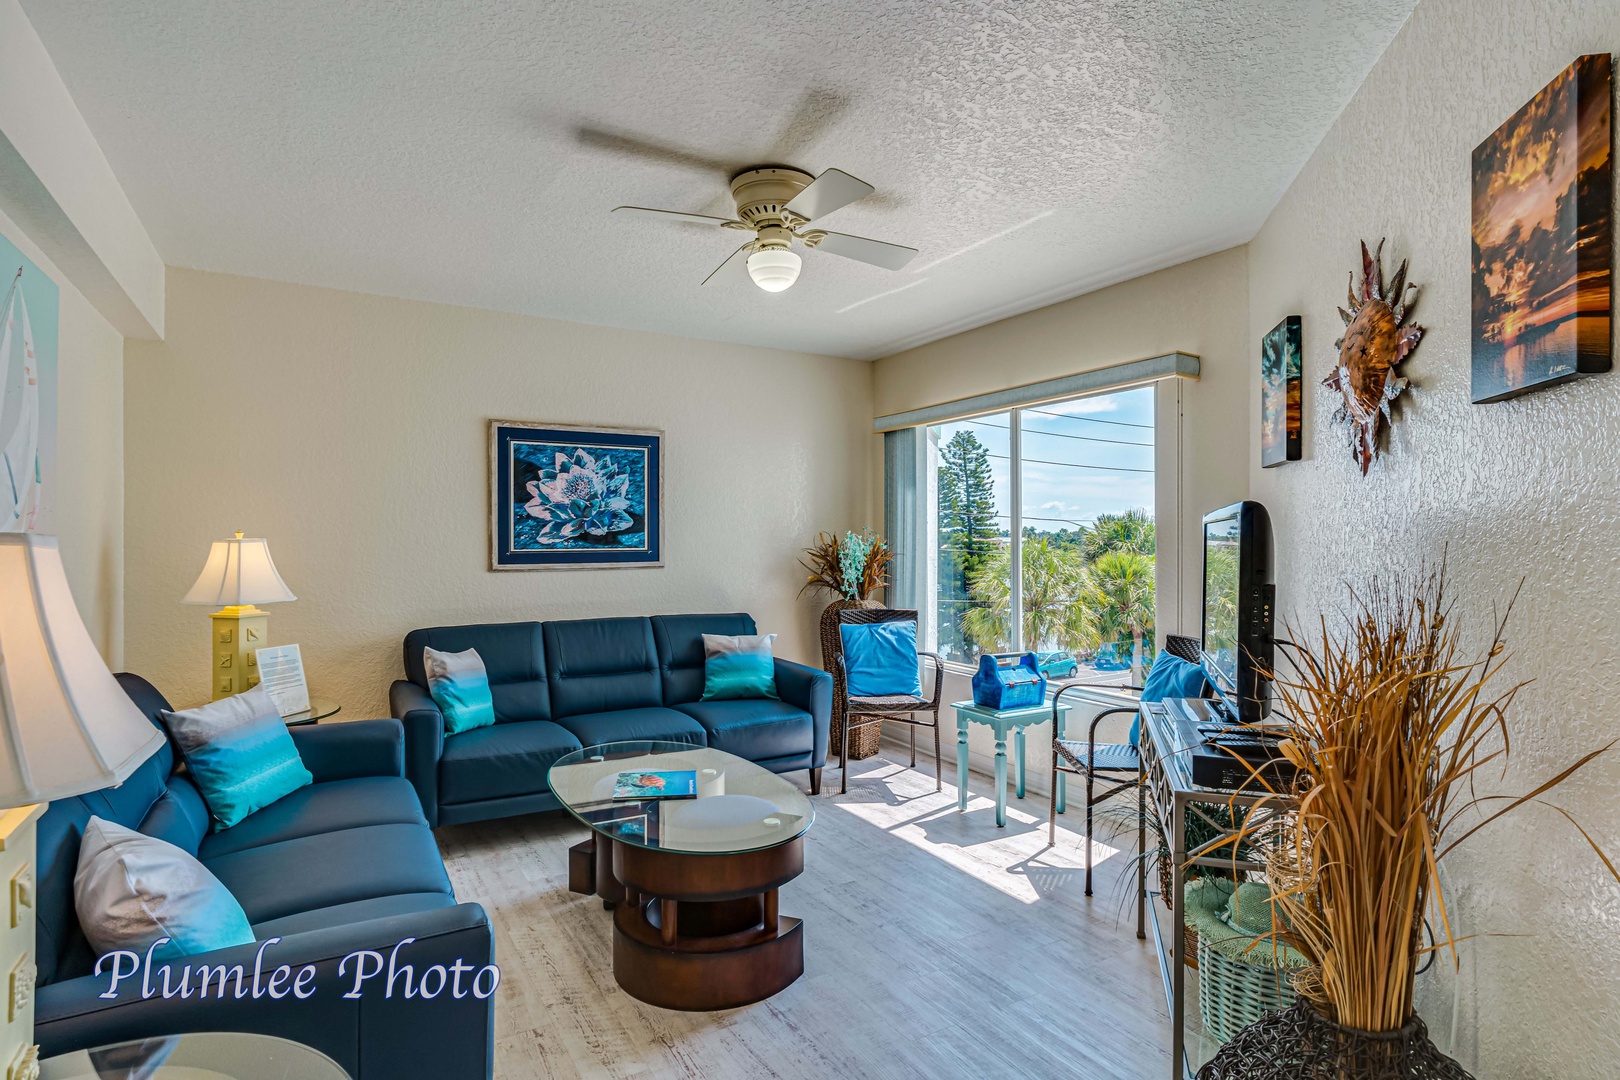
x,y
1014,720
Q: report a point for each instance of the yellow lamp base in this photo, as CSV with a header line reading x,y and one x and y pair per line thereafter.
x,y
238,632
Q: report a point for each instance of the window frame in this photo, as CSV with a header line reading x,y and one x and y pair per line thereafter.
x,y
1167,497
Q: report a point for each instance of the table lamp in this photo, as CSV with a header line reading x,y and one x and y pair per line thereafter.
x,y
69,729
238,575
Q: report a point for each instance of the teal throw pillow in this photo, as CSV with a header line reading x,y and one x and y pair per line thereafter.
x,y
239,754
1170,677
460,688
738,667
880,659
132,889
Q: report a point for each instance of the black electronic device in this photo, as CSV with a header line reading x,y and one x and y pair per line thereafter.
x,y
1219,755
1239,597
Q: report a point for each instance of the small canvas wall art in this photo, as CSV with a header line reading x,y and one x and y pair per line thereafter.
x,y
1543,192
566,497
1279,394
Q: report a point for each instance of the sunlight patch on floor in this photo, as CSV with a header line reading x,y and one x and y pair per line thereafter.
x,y
1014,860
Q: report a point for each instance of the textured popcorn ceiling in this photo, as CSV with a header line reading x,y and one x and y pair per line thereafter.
x,y
1032,151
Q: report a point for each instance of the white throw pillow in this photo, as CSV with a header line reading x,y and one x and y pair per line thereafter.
x,y
131,889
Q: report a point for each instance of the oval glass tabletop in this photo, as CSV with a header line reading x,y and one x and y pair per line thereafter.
x,y
203,1055
678,797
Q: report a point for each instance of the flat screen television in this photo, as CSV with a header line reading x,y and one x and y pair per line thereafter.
x,y
1238,600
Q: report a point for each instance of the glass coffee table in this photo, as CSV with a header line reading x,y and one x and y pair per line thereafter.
x,y
692,882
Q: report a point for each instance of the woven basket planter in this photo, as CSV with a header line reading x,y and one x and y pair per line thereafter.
x,y
863,741
1298,1043
1167,890
1241,977
1232,994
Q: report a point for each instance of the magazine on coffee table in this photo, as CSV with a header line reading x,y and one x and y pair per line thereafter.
x,y
656,784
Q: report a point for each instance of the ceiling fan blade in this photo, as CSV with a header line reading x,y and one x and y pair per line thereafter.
x,y
827,192
681,215
731,260
876,252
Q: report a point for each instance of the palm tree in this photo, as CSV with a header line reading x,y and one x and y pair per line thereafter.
x,y
1057,611
1122,592
1131,531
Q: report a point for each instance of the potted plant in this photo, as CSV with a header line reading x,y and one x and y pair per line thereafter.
x,y
852,568
1391,725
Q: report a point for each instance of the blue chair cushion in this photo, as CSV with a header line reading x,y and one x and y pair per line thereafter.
x,y
880,659
500,761
322,808
756,729
630,725
1170,677
514,662
312,872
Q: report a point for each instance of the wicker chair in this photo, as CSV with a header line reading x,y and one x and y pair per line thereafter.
x,y
1117,764
861,712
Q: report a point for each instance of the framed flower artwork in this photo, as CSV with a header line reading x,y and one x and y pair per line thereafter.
x,y
564,497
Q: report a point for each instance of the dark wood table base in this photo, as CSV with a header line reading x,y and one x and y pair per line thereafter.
x,y
695,932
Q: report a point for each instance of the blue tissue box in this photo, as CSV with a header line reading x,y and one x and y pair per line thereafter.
x,y
1008,681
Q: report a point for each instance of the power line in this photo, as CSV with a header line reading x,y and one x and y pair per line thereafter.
x,y
1066,435
1089,419
1069,464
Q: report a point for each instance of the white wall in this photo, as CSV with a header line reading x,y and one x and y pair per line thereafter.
x,y
1522,490
352,432
87,504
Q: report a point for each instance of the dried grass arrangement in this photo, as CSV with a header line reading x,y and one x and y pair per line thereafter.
x,y
851,567
1392,726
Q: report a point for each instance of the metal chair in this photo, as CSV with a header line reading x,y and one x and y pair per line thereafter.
x,y
864,711
1117,763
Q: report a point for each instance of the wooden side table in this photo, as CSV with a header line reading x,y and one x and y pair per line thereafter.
x,y
1002,721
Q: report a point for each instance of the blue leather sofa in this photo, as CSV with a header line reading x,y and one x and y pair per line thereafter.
x,y
558,686
345,864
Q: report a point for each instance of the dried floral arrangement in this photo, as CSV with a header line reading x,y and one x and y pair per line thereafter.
x,y
1392,725
852,567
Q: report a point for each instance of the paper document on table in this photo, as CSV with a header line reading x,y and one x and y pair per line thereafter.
x,y
281,674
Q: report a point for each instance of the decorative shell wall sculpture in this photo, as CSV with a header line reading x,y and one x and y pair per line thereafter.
x,y
1376,339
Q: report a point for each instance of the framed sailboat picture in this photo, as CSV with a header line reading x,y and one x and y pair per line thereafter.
x,y
564,497
27,393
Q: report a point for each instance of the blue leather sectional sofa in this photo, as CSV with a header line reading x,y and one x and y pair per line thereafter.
x,y
559,686
342,865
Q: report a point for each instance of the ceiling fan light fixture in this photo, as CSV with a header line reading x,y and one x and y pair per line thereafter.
x,y
774,269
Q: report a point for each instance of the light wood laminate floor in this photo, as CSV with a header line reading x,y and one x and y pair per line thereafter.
x,y
937,946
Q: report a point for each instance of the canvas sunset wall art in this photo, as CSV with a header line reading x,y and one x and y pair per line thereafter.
x,y
1542,204
1280,410
565,497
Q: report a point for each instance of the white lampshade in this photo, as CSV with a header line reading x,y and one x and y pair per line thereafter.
x,y
773,269
69,726
239,572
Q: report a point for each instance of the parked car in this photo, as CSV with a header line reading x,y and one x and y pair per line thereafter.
x,y
1110,658
1058,665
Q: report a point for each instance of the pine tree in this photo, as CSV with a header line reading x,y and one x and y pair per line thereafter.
x,y
968,534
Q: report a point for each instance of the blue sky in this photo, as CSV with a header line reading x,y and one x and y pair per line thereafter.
x,y
1081,458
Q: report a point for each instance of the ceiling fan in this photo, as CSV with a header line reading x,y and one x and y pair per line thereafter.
x,y
780,205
